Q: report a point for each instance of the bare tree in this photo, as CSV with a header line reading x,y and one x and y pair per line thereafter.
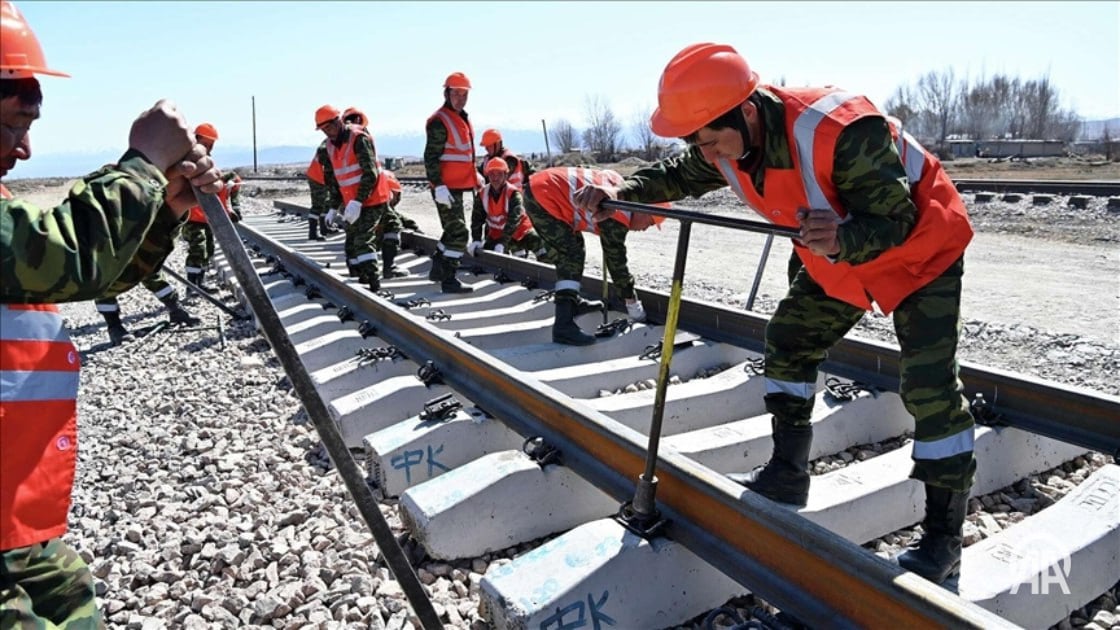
x,y
936,96
644,139
603,135
979,110
564,135
901,106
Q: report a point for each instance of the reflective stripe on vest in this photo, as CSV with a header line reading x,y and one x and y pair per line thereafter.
x,y
497,210
38,411
517,175
554,190
458,148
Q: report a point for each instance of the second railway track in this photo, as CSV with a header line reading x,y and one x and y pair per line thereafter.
x,y
467,486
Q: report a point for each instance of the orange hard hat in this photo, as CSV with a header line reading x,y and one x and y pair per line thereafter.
x,y
21,56
489,137
701,83
206,130
496,164
457,80
325,114
354,111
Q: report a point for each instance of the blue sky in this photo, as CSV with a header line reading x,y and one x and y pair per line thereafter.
x,y
527,60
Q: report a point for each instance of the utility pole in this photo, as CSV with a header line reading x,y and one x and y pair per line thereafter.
x,y
546,149
254,133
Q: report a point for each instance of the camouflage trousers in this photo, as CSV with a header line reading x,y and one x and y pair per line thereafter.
x,y
389,227
453,242
568,253
156,283
360,246
927,323
200,246
46,585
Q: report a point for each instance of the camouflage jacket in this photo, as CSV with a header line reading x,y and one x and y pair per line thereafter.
x,y
367,159
514,211
868,172
75,251
433,148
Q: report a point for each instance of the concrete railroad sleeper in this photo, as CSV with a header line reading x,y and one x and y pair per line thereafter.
x,y
453,467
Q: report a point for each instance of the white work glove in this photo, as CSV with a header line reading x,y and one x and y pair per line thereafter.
x,y
353,211
332,216
635,310
473,247
443,196
499,249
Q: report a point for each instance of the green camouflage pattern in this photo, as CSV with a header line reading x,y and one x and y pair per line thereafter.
x,y
568,253
868,172
76,250
319,198
200,245
46,585
361,242
149,259
391,222
807,323
454,222
156,283
366,154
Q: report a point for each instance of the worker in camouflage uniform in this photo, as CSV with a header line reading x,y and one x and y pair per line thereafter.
x,y
387,232
317,226
72,252
500,209
197,231
110,308
355,186
880,223
519,168
449,165
548,201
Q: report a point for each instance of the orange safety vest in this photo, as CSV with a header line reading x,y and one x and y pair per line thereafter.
x,y
497,213
814,119
456,163
348,173
315,171
553,188
198,216
38,423
394,183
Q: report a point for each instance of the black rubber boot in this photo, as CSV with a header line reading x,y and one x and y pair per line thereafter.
x,y
313,230
435,274
785,478
938,554
450,283
118,334
352,271
584,307
374,283
196,278
565,330
389,251
177,314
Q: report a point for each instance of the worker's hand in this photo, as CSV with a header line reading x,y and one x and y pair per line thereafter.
x,y
352,212
195,169
443,196
473,247
589,198
332,216
499,249
819,231
161,134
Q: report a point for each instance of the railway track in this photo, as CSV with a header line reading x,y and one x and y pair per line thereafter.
x,y
443,394
1092,188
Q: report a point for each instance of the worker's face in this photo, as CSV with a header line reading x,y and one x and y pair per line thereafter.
x,y
724,144
458,98
497,178
332,128
15,122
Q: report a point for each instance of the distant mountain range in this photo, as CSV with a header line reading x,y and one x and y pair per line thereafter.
x,y
410,145
524,141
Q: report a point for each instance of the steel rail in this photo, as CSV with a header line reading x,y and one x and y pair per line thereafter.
x,y
791,562
1098,188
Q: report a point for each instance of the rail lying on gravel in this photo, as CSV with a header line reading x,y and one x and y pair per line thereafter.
x,y
786,559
